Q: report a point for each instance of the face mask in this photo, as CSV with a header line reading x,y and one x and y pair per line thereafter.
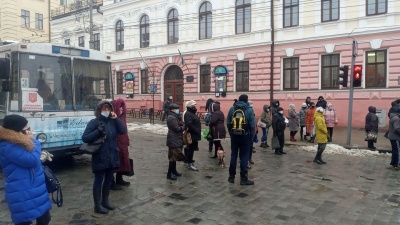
x,y
105,113
267,110
281,112
177,111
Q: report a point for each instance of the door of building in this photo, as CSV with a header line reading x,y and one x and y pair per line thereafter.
x,y
173,85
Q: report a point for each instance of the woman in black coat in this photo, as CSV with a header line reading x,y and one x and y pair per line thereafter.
x,y
217,126
279,126
371,125
207,123
108,125
192,122
174,141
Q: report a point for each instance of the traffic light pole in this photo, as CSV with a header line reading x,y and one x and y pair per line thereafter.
x,y
350,116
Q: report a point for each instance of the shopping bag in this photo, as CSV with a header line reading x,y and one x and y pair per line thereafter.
x,y
275,142
205,133
261,124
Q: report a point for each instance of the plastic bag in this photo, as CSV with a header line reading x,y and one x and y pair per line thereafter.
x,y
205,133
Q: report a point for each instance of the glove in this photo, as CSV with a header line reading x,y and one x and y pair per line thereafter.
x,y
45,155
101,128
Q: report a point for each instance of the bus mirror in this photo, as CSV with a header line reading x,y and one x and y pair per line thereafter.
x,y
6,86
4,68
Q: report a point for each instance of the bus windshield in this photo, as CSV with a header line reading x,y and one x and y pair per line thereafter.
x,y
47,83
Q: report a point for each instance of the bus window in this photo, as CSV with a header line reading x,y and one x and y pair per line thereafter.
x,y
46,83
92,83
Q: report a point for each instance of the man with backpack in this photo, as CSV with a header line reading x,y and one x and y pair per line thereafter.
x,y
240,123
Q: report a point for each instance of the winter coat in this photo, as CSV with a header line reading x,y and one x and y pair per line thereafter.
x,y
293,120
249,116
265,117
274,108
122,139
394,127
192,122
175,131
108,155
166,105
25,187
322,104
330,117
371,120
302,116
278,123
310,118
321,132
217,125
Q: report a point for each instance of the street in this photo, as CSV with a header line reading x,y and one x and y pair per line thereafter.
x,y
289,189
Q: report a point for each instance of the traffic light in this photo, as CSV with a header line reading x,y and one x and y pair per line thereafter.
x,y
344,75
357,75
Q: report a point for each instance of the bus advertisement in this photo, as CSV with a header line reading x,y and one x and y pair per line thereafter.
x,y
56,87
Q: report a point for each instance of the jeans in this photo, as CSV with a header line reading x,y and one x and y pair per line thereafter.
x,y
265,134
395,153
42,220
105,176
241,142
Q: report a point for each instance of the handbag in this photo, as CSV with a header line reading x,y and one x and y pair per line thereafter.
x,y
91,148
131,172
187,138
371,136
261,124
53,185
275,142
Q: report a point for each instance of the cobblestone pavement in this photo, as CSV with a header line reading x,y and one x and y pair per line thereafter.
x,y
288,189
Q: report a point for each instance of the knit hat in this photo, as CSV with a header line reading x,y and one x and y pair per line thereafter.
x,y
291,106
173,106
14,122
250,104
190,104
279,109
320,109
244,98
304,104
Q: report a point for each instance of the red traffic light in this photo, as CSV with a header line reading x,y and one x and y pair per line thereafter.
x,y
357,75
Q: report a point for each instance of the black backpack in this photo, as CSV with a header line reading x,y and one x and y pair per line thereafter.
x,y
239,124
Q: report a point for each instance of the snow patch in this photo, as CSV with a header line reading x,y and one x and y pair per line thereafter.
x,y
339,150
149,128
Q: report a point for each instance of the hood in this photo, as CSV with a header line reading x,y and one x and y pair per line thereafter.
x,y
208,103
275,103
215,107
372,109
16,138
117,105
265,108
97,111
318,114
241,105
308,99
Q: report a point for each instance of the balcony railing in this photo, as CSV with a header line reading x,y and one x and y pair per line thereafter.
x,y
77,6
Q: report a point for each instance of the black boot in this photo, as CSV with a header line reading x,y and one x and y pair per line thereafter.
x,y
320,157
115,186
120,181
317,157
170,175
104,198
231,178
98,208
277,152
244,179
174,171
305,138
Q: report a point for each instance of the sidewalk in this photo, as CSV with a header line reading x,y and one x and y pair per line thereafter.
x,y
339,136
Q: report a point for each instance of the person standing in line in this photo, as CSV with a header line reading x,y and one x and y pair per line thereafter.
x,y
371,125
391,110
240,123
320,135
308,102
123,146
274,108
293,122
279,126
166,108
207,122
250,104
217,127
192,122
330,120
321,102
174,141
302,118
310,122
394,137
25,187
265,118
106,159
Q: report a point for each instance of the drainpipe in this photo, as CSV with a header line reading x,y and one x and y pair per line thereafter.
x,y
271,77
49,21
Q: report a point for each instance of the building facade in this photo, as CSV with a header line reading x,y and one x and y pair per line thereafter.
x,y
25,20
232,47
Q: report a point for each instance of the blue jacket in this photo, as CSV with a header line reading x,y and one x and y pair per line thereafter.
x,y
249,114
25,188
108,155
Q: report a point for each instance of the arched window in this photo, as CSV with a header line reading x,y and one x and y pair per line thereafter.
x,y
144,32
119,36
173,27
205,21
243,16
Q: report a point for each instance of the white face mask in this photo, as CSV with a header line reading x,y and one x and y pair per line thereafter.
x,y
105,113
177,111
281,112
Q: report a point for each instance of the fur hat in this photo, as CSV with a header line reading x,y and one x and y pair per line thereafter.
x,y
304,104
14,122
244,98
190,104
320,109
173,106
